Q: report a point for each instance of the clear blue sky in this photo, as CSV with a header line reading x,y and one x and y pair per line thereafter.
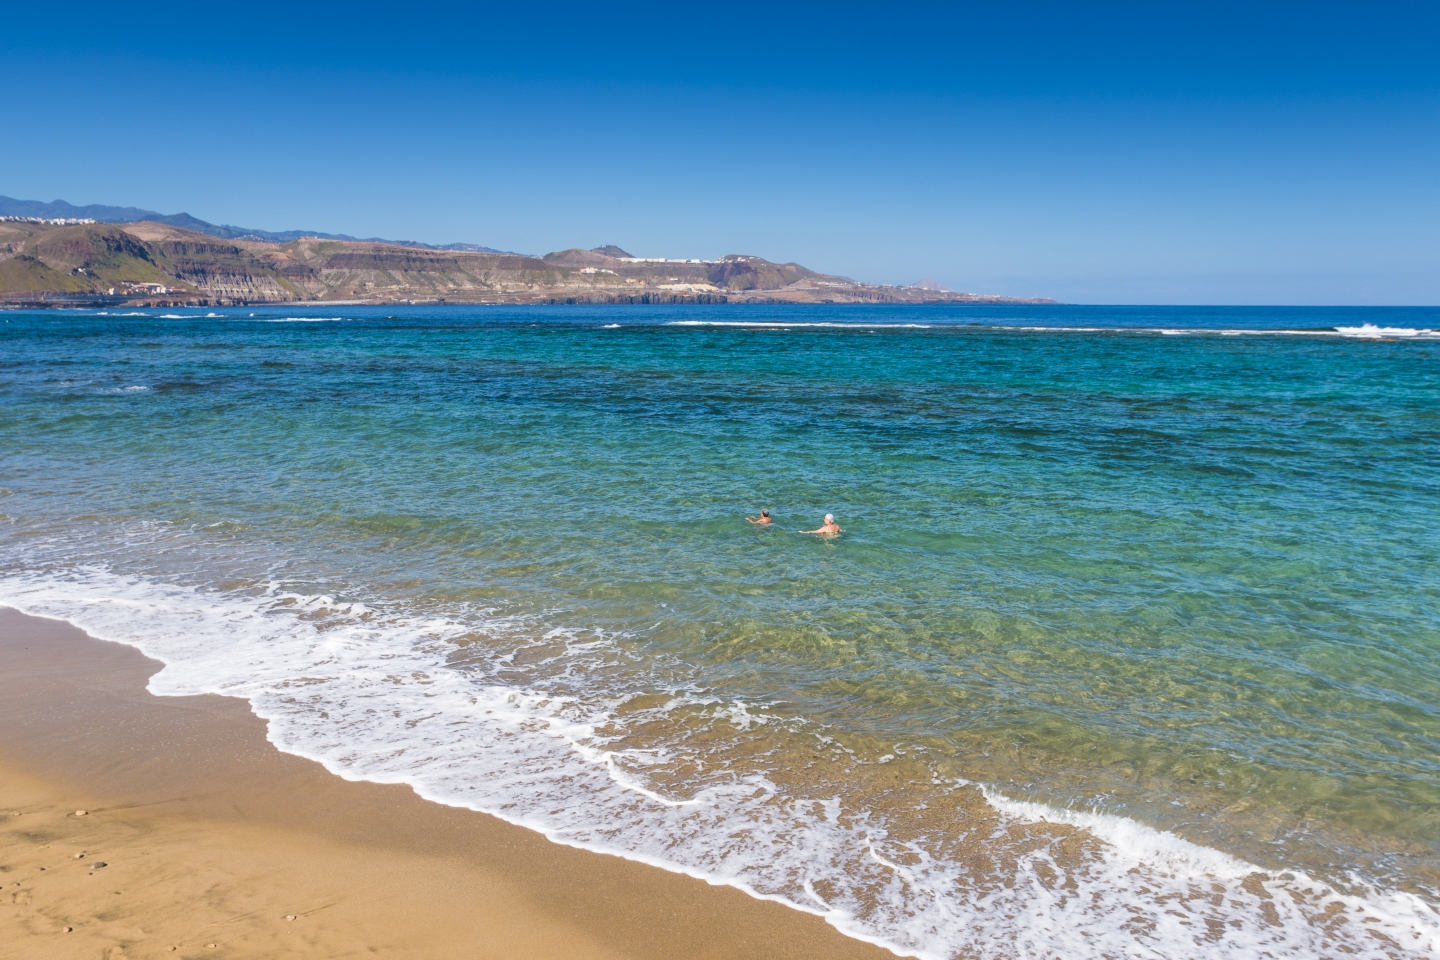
x,y
1145,153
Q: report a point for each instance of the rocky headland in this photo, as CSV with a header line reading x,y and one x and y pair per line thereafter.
x,y
160,264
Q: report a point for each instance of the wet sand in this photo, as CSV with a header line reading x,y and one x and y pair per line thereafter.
x,y
211,839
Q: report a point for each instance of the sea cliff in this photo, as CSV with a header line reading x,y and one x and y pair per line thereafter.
x,y
160,264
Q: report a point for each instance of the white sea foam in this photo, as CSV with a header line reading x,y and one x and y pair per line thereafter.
x,y
1365,331
611,326
1370,331
1035,329
372,696
301,319
1177,331
774,324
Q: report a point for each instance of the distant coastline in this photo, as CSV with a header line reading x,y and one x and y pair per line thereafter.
x,y
57,255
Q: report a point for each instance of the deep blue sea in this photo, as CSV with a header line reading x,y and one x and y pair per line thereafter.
x,y
1130,646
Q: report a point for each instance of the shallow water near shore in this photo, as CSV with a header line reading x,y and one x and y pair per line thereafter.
x,y
1128,649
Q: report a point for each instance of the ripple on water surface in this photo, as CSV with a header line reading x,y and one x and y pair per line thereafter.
x,y
1127,650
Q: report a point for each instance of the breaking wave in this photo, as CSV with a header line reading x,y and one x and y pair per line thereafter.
x,y
380,695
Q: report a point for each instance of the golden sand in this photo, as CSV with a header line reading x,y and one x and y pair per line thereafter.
x,y
212,841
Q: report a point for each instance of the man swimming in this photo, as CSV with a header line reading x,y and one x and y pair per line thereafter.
x,y
763,519
829,529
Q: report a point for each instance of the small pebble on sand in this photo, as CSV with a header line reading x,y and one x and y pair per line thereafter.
x,y
97,866
68,929
210,945
79,855
289,916
81,813
171,949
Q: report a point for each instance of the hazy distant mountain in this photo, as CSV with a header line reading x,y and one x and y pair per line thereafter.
x,y
928,284
59,209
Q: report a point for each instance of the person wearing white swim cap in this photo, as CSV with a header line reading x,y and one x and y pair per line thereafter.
x,y
828,529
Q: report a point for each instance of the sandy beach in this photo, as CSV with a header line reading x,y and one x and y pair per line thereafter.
x,y
201,839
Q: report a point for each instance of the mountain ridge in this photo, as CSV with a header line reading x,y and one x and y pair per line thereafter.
x,y
162,262
63,210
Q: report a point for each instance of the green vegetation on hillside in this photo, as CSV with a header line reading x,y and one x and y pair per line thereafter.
x,y
107,256
24,274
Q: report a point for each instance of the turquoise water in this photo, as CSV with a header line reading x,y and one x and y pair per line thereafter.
x,y
1124,560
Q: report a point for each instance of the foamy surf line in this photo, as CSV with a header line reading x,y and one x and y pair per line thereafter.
x,y
784,324
1366,331
369,695
1363,332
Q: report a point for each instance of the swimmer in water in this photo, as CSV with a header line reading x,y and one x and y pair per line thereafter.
x,y
829,529
763,519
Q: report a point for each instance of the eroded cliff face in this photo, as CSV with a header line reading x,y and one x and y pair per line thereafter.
x,y
224,271
243,288
100,258
329,269
183,266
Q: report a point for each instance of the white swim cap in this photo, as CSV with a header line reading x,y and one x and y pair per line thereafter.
x,y
829,518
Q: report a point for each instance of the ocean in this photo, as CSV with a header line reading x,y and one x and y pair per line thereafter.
x,y
1130,646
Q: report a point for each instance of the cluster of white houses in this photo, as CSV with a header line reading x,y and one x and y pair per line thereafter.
x,y
50,221
133,288
659,260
